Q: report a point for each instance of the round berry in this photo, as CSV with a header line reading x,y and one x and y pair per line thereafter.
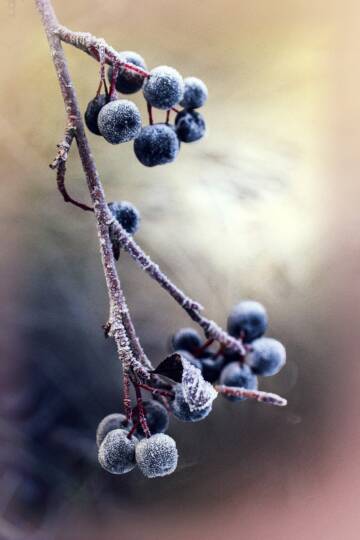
x,y
128,81
164,88
156,415
211,368
181,410
126,214
117,452
156,145
187,339
119,121
190,358
195,93
267,356
109,423
189,126
157,455
92,113
248,320
238,375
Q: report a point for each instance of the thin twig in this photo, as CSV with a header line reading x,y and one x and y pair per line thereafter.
x,y
258,395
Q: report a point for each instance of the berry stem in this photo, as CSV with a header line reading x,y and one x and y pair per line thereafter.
x,y
150,113
167,120
203,348
115,73
140,410
160,392
258,395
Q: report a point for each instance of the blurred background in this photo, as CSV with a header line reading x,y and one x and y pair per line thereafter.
x,y
265,207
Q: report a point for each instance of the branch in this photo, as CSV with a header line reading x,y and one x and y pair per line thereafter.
x,y
258,395
119,314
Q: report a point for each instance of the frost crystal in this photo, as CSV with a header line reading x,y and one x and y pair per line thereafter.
x,y
198,393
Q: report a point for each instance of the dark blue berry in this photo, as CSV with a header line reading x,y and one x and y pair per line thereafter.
x,y
240,376
156,145
187,339
157,455
164,88
267,356
156,415
128,82
189,126
248,320
119,121
211,368
92,113
195,93
181,410
126,214
109,423
117,452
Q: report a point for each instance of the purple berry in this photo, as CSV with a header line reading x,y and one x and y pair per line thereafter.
x,y
248,320
156,145
164,88
189,126
157,455
267,356
128,82
119,121
109,423
238,375
117,452
195,93
92,113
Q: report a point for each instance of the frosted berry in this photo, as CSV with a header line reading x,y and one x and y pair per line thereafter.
x,y
117,452
157,417
156,145
164,88
267,356
119,121
239,375
126,214
92,113
127,81
189,126
247,320
195,93
109,423
157,455
187,339
181,410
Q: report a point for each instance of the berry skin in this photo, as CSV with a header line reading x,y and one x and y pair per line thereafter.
x,y
157,455
126,214
182,411
248,320
211,368
156,145
189,126
195,93
92,113
190,358
109,423
157,417
239,375
117,452
128,82
164,88
119,121
267,356
187,339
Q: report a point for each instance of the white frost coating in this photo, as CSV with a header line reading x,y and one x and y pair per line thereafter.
x,y
164,88
198,393
117,452
109,423
157,455
119,121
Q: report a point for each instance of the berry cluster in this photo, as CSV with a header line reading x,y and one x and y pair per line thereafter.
x,y
119,120
264,356
192,369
